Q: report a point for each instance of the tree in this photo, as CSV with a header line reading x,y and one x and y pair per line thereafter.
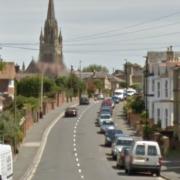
x,y
2,64
30,87
97,68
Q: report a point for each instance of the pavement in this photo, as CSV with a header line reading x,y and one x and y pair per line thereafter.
x,y
171,164
32,143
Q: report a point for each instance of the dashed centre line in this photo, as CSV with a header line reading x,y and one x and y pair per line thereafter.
x,y
75,145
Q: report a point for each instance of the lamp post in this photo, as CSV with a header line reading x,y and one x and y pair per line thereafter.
x,y
41,93
126,74
146,94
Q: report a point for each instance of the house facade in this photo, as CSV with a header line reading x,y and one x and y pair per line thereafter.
x,y
7,78
160,87
177,100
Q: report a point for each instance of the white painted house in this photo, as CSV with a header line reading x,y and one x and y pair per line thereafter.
x,y
160,95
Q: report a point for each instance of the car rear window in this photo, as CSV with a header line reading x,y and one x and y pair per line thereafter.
x,y
152,151
140,150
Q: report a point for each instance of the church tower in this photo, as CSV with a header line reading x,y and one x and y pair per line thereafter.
x,y
51,40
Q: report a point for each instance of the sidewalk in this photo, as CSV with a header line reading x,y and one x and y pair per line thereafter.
x,y
171,164
171,167
32,141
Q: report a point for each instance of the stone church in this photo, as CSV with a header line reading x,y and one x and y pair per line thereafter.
x,y
50,52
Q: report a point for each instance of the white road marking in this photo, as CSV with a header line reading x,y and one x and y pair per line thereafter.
x,y
31,144
78,165
74,139
74,144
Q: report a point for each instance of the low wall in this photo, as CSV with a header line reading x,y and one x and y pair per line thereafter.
x,y
33,116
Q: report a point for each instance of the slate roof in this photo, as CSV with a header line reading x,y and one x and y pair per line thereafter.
x,y
158,56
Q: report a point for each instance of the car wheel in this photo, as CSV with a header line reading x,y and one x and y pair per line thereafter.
x,y
114,157
126,171
158,173
129,171
117,166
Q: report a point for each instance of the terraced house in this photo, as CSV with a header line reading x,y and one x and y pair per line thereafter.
x,y
160,86
7,89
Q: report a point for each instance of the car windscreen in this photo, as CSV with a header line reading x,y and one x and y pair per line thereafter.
x,y
105,116
124,142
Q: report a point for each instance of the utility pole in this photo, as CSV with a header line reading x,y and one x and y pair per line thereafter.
x,y
80,79
146,94
126,74
41,94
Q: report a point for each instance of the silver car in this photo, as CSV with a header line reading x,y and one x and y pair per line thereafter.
x,y
119,143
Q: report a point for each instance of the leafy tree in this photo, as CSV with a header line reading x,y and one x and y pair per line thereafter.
x,y
136,103
2,65
30,87
9,129
61,82
94,67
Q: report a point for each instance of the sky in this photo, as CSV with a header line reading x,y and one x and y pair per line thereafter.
x,y
103,32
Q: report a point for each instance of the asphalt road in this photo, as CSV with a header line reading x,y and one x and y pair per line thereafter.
x,y
75,150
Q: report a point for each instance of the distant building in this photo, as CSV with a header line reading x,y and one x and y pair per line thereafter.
x,y
51,44
134,73
160,94
109,81
176,80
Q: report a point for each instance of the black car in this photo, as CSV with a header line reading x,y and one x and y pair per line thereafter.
x,y
110,136
71,112
84,100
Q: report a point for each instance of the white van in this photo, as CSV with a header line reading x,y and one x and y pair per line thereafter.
x,y
119,93
143,156
6,162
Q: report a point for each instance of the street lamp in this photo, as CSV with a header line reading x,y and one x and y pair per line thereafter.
x,y
126,74
146,94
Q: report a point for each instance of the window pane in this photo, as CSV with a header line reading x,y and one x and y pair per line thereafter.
x,y
140,150
152,151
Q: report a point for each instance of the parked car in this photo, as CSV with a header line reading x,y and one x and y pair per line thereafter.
x,y
110,136
115,99
71,112
84,100
104,117
6,162
120,142
106,109
120,163
100,97
119,93
106,125
144,156
108,102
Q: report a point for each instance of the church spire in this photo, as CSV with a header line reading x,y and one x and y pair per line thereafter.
x,y
51,13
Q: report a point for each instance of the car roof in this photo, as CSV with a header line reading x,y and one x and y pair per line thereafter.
x,y
147,142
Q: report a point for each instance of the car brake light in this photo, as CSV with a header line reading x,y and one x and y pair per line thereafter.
x,y
160,161
131,159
